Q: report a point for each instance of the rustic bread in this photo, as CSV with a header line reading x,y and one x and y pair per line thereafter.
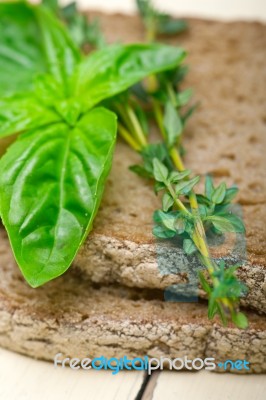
x,y
72,317
226,137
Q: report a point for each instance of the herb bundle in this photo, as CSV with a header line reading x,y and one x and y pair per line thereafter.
x,y
52,177
184,213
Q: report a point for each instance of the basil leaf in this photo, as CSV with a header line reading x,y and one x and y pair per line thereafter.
x,y
61,54
52,5
21,55
32,41
21,112
52,177
115,68
51,183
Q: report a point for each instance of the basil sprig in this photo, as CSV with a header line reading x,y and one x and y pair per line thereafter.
x,y
52,177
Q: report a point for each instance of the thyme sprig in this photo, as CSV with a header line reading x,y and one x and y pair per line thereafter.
x,y
157,22
185,212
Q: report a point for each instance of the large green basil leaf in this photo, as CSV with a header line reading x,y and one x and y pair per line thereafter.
x,y
61,54
51,183
32,41
21,112
115,68
52,5
21,55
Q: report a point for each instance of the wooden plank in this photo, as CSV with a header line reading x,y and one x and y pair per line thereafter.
x,y
150,387
27,379
208,386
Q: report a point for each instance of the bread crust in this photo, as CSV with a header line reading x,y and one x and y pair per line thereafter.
x,y
71,316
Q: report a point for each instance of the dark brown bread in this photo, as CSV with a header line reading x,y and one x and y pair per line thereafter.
x,y
72,317
226,137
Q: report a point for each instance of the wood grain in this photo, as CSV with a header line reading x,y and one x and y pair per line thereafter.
x,y
208,386
27,379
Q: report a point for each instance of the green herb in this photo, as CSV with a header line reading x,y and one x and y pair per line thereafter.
x,y
157,22
82,31
184,212
52,177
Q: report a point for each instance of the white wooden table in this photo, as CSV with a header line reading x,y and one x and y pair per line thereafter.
x,y
22,378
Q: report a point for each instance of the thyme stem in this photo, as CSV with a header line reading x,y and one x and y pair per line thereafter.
x,y
136,125
128,138
199,236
